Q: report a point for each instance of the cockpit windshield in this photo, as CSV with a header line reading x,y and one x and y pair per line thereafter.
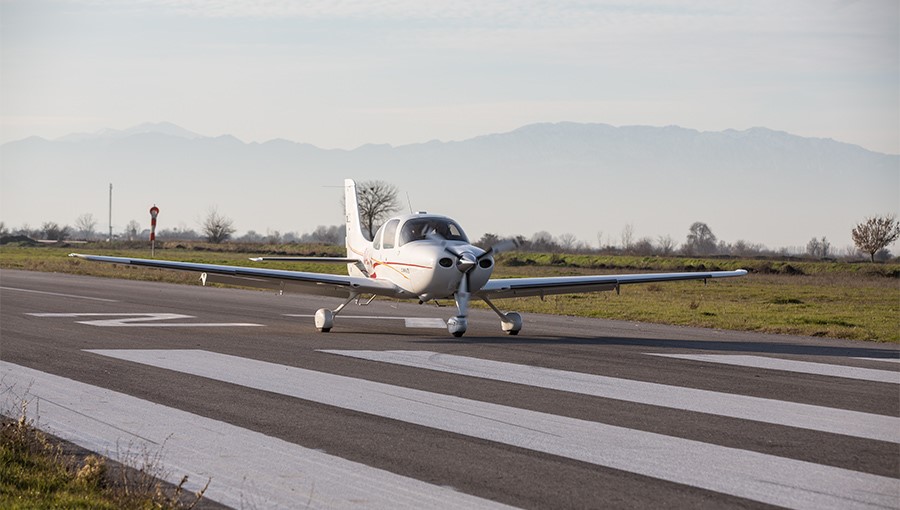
x,y
417,229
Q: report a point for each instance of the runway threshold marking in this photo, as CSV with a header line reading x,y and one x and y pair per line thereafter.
x,y
409,322
245,468
803,367
752,475
145,320
60,294
889,360
824,419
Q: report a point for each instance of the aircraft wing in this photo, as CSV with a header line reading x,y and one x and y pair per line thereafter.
x,y
545,286
336,260
287,281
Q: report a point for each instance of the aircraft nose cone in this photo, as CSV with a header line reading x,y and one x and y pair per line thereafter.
x,y
466,262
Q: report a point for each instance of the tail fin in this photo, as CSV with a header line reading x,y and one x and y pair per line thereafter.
x,y
356,241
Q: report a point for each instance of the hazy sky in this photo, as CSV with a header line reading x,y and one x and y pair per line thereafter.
x,y
342,74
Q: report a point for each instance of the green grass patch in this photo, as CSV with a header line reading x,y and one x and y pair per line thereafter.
x,y
831,299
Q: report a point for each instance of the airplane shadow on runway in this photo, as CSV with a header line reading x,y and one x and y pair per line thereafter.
x,y
700,345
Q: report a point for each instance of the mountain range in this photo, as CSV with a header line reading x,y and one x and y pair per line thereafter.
x,y
757,185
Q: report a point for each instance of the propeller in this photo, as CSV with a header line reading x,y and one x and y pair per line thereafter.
x,y
466,262
498,248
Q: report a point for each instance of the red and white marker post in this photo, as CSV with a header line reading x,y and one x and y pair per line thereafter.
x,y
154,211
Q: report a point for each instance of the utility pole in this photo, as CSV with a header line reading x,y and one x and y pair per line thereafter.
x,y
110,213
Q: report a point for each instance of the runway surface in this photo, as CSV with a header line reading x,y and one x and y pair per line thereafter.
x,y
390,411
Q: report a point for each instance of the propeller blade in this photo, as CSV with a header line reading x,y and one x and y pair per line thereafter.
x,y
502,246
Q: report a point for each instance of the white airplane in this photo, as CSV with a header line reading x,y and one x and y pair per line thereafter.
x,y
419,256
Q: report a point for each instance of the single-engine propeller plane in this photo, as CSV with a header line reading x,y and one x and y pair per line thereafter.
x,y
420,256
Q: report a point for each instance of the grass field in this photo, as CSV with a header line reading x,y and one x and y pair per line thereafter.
x,y
830,299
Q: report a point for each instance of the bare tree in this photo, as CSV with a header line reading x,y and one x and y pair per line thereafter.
x,y
700,240
251,237
643,246
273,236
86,225
627,236
818,248
377,201
132,230
568,241
814,248
217,228
52,231
876,233
666,245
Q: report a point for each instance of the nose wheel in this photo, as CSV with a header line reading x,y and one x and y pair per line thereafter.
x,y
457,326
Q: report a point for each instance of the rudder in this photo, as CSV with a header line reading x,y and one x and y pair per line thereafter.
x,y
356,241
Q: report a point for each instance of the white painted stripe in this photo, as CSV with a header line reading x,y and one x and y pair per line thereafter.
x,y
61,295
409,322
803,367
837,421
889,360
142,319
751,475
373,317
422,322
246,468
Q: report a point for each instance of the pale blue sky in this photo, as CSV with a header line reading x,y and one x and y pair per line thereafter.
x,y
342,74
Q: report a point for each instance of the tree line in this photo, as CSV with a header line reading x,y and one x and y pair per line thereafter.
x,y
378,201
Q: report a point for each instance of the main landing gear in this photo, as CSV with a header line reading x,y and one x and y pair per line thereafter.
x,y
325,317
510,322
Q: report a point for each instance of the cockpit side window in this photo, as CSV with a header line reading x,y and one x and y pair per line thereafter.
x,y
417,229
390,232
376,241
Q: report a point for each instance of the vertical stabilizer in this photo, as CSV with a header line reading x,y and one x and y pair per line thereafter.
x,y
356,241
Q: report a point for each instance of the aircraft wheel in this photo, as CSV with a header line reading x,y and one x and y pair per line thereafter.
x,y
324,320
457,326
511,323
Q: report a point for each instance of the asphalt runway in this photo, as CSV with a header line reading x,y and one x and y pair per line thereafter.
x,y
389,411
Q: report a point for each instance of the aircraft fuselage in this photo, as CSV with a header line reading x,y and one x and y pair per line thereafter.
x,y
426,255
